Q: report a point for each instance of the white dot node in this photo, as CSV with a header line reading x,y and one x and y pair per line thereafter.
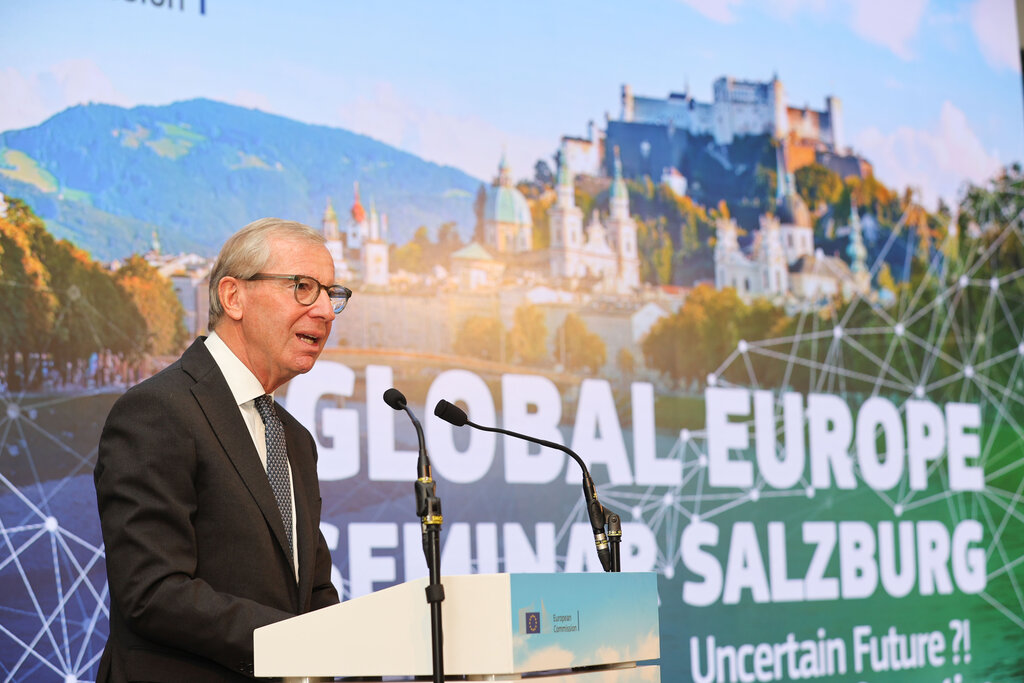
x,y
702,460
684,435
898,510
70,678
712,379
694,519
809,491
837,332
919,391
1020,349
669,572
668,500
899,329
32,414
994,283
969,371
51,524
636,512
962,281
13,411
742,346
755,494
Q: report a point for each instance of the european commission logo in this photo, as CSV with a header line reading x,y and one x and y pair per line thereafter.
x,y
533,622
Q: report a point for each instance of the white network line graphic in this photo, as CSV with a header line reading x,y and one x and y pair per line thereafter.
x,y
955,355
54,609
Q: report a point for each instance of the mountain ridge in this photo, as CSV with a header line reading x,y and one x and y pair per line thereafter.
x,y
196,170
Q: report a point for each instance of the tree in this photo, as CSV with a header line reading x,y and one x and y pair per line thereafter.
x,y
526,339
579,348
626,362
669,346
480,336
818,185
408,256
542,174
154,297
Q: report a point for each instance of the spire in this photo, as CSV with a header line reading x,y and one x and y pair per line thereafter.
x,y
856,250
374,235
781,176
329,222
358,212
504,175
618,184
564,174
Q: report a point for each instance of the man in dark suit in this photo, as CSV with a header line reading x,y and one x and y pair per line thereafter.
x,y
203,546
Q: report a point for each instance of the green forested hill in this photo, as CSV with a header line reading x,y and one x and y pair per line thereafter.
x,y
106,177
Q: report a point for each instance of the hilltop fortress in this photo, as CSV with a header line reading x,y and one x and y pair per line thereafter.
x,y
652,133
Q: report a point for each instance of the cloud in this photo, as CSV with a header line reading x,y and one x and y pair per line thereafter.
x,y
463,141
936,161
888,23
788,8
715,10
548,659
31,98
994,23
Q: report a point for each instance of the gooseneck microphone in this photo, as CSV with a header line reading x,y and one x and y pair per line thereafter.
x,y
396,400
454,415
428,509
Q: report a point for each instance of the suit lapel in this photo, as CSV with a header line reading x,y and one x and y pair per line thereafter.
x,y
214,397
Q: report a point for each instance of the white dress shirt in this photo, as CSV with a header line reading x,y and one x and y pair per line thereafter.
x,y
246,389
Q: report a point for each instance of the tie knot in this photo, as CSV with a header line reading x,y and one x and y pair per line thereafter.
x,y
265,407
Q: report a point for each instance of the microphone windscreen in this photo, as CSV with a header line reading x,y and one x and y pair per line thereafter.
x,y
394,398
450,413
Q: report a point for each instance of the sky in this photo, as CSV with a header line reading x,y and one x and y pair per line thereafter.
x,y
931,91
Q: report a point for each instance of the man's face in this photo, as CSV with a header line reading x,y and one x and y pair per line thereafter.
x,y
282,337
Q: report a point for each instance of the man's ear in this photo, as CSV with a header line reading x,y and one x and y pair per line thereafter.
x,y
232,298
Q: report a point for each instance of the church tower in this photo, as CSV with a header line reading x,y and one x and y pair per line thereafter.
x,y
858,254
772,258
376,268
334,243
622,230
357,228
508,224
566,222
795,226
727,251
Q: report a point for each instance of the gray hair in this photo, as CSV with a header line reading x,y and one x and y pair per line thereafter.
x,y
248,251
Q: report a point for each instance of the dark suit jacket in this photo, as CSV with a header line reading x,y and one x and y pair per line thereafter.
x,y
195,547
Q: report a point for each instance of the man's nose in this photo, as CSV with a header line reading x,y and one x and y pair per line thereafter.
x,y
323,307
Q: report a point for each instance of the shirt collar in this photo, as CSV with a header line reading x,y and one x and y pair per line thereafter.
x,y
243,384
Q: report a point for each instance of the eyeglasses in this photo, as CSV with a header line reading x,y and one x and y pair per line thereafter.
x,y
307,290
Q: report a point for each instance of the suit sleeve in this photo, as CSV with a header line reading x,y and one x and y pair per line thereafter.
x,y
145,484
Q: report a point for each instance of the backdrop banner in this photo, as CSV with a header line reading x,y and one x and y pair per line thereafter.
x,y
761,267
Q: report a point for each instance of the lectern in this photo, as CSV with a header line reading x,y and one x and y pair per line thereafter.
x,y
578,628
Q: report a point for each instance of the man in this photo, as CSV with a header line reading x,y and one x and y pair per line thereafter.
x,y
202,544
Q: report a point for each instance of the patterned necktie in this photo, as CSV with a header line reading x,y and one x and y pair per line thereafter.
x,y
277,463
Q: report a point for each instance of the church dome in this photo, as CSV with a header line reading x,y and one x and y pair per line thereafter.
x,y
506,204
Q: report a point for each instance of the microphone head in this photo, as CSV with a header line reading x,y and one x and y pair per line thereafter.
x,y
395,398
450,413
